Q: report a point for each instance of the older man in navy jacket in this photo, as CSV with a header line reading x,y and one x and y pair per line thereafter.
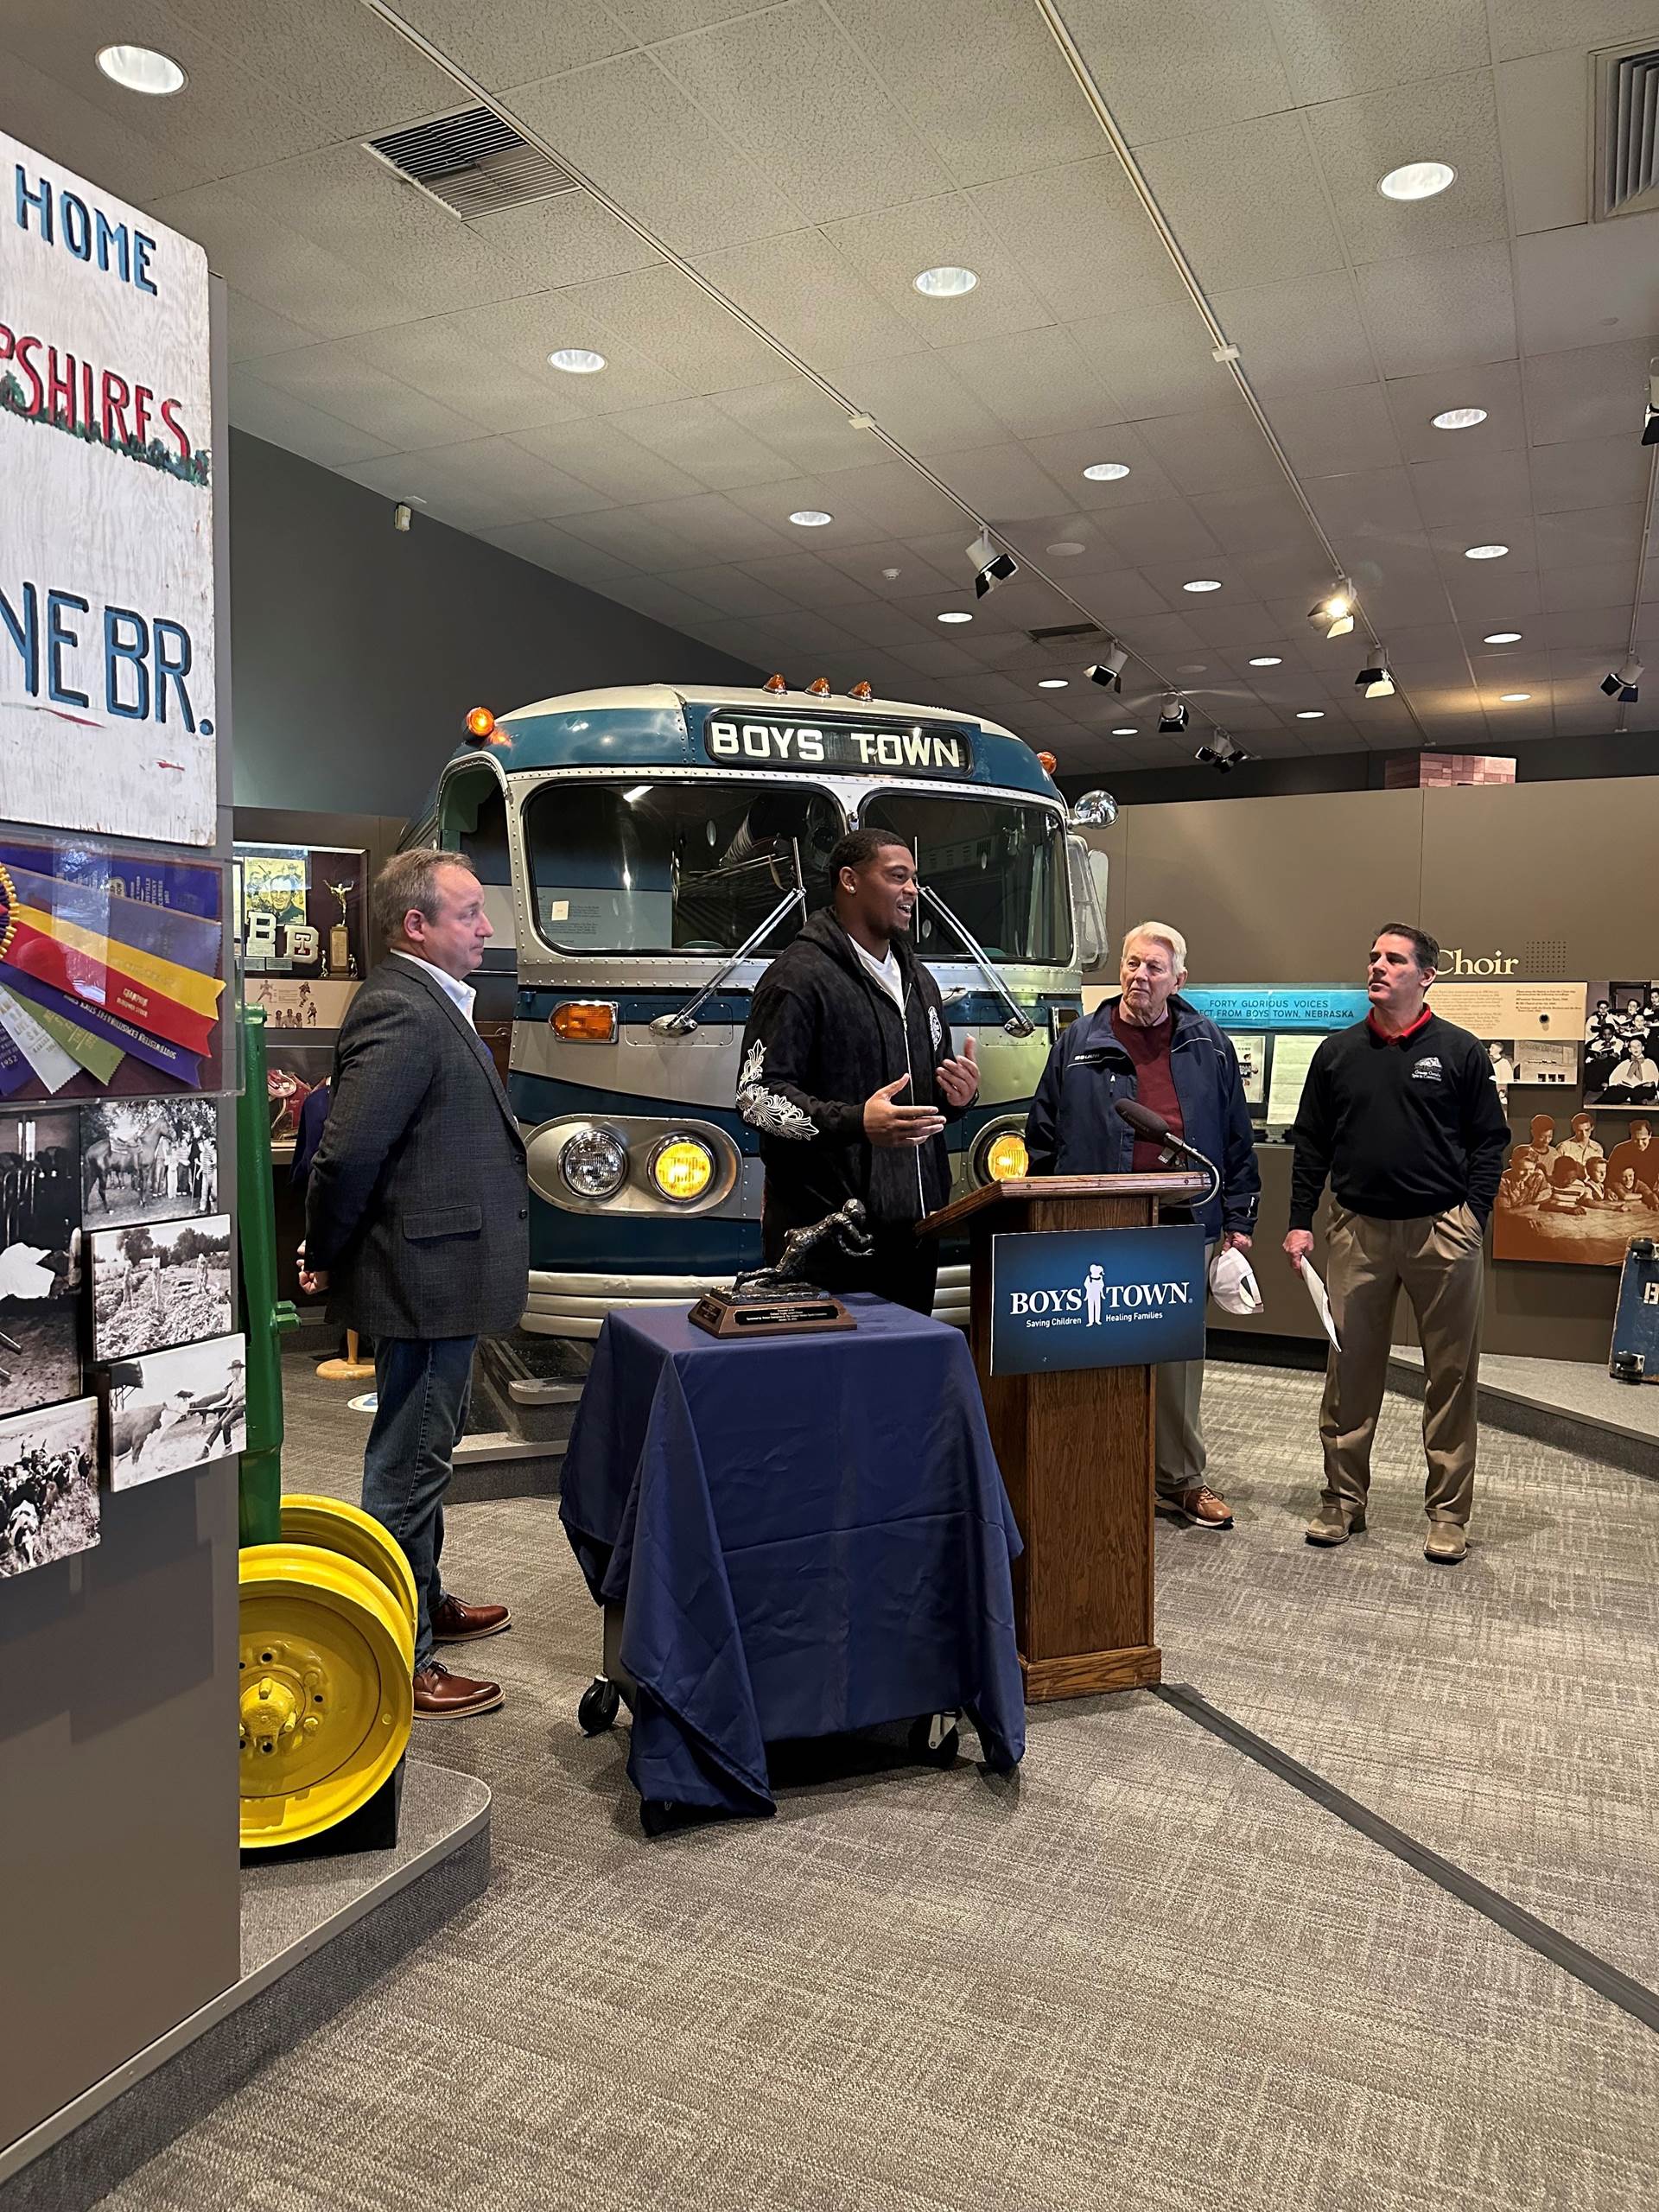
x,y
1148,1043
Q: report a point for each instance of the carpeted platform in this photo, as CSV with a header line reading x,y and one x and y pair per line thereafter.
x,y
1148,1975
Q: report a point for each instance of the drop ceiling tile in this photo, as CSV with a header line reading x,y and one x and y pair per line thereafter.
x,y
43,111
802,291
1588,537
568,239
279,268
694,436
1158,65
443,357
733,591
1162,639
486,481
1003,483
1298,335
281,420
1594,280
1543,26
1543,119
636,539
347,71
841,497
1495,385
1482,602
332,378
1336,433
1082,238
634,132
803,580
1388,43
992,96
1223,622
726,529
1155,363
523,331
916,400
1602,629
1358,141
1440,310
1036,385
1163,529
1066,453
1259,522
1590,391
899,502
1266,222
762,81
1220,450
1111,596
672,321
890,248
865,564
662,601
618,469
516,45
798,420
251,330
1592,472
549,547
1470,488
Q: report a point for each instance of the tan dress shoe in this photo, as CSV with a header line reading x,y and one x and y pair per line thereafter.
x,y
1446,1544
440,1695
1334,1523
454,1623
1200,1507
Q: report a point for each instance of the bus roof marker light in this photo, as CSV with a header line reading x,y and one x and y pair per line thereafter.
x,y
863,692
776,684
1047,763
481,728
818,688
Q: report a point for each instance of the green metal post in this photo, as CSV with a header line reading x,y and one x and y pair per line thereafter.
x,y
264,1316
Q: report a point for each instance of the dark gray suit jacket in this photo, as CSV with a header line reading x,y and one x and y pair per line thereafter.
x,y
417,1203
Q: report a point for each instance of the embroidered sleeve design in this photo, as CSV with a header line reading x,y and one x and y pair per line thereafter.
x,y
769,1111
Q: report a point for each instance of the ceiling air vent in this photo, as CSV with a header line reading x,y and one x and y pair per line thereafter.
x,y
1065,629
1627,131
474,162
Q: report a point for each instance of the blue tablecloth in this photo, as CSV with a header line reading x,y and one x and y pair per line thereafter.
x,y
808,1534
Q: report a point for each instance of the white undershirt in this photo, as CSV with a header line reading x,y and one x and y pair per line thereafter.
x,y
462,993
886,972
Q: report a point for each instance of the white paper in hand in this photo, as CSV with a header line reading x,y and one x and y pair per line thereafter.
x,y
1321,1304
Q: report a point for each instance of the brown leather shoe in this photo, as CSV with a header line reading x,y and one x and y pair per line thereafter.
x,y
454,1622
440,1695
1202,1508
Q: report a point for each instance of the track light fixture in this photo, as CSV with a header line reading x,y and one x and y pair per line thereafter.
x,y
1172,716
1334,613
1376,679
1651,426
1107,671
992,566
1220,754
1620,684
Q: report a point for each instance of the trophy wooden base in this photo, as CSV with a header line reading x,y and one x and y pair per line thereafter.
x,y
725,1313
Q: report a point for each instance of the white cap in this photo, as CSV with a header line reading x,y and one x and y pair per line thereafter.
x,y
1232,1284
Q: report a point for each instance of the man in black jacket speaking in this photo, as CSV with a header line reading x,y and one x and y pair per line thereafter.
x,y
849,1075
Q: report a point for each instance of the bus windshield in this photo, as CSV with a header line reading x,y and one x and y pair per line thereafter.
x,y
1000,867
663,867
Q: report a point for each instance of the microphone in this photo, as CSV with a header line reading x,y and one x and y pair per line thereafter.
x,y
1156,1130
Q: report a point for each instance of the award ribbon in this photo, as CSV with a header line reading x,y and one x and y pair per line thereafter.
x,y
170,1002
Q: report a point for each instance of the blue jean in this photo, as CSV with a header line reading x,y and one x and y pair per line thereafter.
x,y
421,1383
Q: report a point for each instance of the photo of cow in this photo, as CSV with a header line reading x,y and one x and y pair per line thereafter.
x,y
149,1159
48,1484
153,1287
173,1410
40,1259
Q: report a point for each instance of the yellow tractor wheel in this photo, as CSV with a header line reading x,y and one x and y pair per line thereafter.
x,y
325,1690
333,1526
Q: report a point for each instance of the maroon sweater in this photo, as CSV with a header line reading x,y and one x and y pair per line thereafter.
x,y
1154,1086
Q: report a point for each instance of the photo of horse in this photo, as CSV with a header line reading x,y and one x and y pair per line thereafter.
x,y
48,1485
40,1259
149,1159
173,1410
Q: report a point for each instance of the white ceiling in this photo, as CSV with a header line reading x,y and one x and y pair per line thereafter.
x,y
803,160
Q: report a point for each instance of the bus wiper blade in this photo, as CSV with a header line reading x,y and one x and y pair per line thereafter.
x,y
1018,1023
683,1023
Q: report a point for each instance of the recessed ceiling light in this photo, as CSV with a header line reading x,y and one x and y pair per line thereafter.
x,y
1485,552
1106,472
1311,715
1416,181
1125,731
576,361
1065,546
953,615
946,283
140,69
1269,660
1501,638
812,519
1050,682
1203,583
1514,698
1458,418
890,573
1192,668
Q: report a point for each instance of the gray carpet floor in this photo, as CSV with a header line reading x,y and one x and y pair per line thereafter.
x,y
1144,1975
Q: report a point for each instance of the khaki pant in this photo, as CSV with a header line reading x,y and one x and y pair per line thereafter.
x,y
1180,1457
1436,1260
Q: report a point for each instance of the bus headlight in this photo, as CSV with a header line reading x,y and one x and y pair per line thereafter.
x,y
999,1154
594,1163
681,1168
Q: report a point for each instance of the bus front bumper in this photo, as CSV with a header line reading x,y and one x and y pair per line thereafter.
x,y
575,1304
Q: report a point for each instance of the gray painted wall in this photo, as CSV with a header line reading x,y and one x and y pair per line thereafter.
x,y
358,650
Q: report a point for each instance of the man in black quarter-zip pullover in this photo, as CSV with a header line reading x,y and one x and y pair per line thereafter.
x,y
848,1073
1402,1112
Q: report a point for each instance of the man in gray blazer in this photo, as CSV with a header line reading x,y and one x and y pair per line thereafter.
x,y
416,1224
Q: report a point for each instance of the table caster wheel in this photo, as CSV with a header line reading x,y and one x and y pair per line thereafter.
x,y
932,1746
597,1711
656,1815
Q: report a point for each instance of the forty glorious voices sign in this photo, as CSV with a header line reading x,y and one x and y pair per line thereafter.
x,y
107,705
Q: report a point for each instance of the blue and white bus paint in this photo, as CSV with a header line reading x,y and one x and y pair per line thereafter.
x,y
633,841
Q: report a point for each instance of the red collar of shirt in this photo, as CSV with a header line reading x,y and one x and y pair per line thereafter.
x,y
1403,1036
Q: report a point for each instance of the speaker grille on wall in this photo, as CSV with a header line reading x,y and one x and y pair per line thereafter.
x,y
1546,956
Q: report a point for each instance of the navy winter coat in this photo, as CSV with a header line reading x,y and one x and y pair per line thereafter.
x,y
1073,1129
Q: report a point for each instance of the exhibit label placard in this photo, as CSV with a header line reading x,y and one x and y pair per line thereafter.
x,y
107,692
1513,1010
1095,1298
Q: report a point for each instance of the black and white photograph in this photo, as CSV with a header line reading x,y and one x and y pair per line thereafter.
x,y
1621,1045
1251,1046
160,1285
40,1259
149,1159
1578,1190
48,1484
169,1411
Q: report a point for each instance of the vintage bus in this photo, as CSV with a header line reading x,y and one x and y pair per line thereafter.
x,y
645,852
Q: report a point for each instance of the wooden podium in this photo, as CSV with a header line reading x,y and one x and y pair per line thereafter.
x,y
1075,1450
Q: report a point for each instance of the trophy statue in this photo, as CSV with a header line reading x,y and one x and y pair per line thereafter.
x,y
342,960
777,1301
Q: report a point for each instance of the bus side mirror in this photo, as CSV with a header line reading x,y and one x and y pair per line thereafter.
x,y
1087,870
